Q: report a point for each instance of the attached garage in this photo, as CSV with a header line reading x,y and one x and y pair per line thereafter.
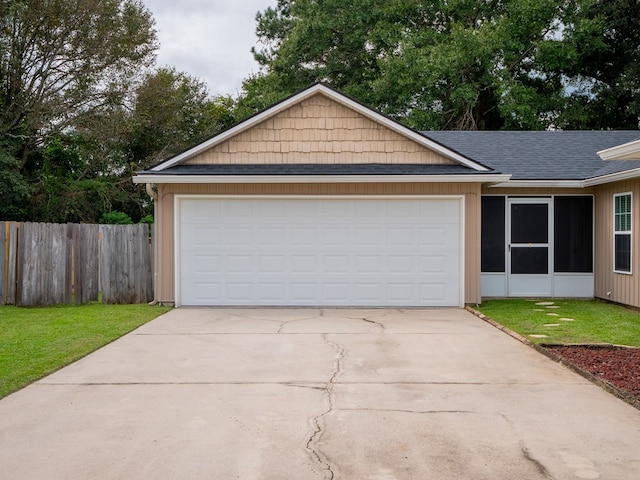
x,y
331,251
318,201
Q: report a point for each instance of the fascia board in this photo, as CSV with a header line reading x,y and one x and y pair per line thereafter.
x,y
488,178
541,184
613,177
620,151
375,116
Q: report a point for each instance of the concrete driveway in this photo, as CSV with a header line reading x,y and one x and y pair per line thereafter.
x,y
317,394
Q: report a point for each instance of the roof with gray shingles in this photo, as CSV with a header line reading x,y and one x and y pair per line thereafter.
x,y
556,155
545,155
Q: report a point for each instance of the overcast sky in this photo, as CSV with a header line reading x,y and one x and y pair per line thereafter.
x,y
208,39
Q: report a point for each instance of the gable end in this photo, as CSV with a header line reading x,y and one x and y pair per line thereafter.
x,y
318,130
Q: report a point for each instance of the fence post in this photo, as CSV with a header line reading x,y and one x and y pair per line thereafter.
x,y
4,254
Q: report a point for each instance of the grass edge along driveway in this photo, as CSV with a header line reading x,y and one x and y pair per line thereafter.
x,y
37,341
566,321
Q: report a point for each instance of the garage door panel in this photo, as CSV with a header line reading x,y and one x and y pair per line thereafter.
x,y
332,264
271,291
369,236
272,264
432,292
207,292
436,236
337,293
205,263
401,237
302,292
368,292
239,264
401,264
319,252
303,236
371,264
203,236
400,293
336,237
241,293
301,264
271,235
435,264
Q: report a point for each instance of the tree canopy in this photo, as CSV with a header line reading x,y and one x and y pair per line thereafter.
x,y
60,59
82,108
463,64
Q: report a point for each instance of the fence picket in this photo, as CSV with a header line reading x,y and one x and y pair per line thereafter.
x,y
12,268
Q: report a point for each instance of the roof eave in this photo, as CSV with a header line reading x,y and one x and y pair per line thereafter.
x,y
590,182
613,177
626,151
468,178
541,184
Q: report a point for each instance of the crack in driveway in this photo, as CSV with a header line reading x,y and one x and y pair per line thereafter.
x,y
402,410
316,421
287,322
525,451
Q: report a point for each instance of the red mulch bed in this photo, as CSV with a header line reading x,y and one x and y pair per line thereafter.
x,y
619,366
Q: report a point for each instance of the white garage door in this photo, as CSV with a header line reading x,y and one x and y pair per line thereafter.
x,y
312,251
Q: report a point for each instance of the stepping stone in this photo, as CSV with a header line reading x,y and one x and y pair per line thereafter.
x,y
553,314
544,303
551,324
539,310
568,319
535,335
553,306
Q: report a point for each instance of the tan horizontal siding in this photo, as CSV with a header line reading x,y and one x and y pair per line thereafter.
x,y
623,288
165,220
318,130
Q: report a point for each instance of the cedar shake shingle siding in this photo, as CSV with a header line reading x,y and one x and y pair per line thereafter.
x,y
318,130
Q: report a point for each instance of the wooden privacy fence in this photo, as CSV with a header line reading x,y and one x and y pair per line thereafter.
x,y
47,264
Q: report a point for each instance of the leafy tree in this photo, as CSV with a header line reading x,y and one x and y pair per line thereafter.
x,y
115,218
604,68
167,112
61,58
63,191
14,190
170,112
173,111
464,64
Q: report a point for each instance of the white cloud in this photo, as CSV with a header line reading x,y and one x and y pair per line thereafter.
x,y
208,39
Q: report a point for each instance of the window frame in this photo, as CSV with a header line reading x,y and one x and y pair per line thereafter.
x,y
627,233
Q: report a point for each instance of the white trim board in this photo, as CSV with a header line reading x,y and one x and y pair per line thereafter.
x,y
484,178
626,151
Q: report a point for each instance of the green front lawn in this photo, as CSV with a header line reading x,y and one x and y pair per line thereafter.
x,y
566,321
37,341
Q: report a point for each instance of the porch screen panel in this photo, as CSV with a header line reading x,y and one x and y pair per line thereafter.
x,y
573,234
530,260
529,223
493,235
